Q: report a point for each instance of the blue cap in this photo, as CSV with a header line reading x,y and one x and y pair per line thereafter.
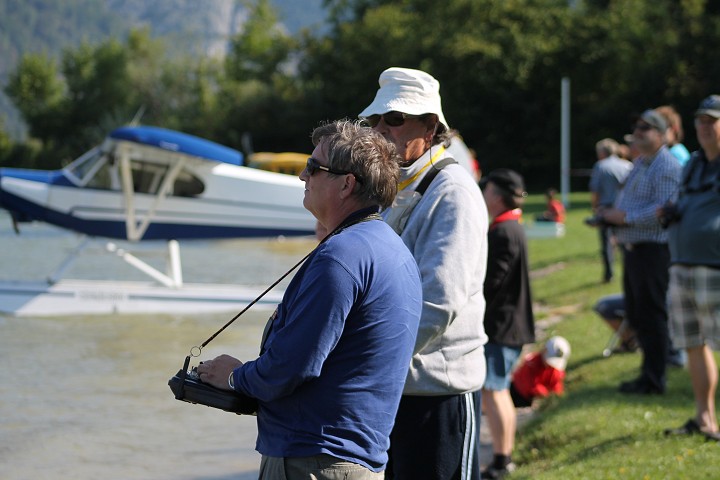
x,y
710,106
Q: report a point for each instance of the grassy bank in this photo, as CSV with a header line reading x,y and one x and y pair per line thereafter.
x,y
593,431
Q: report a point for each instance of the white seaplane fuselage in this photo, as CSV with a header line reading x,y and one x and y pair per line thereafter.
x,y
148,183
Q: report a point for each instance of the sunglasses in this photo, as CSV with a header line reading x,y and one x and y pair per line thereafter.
x,y
312,166
705,120
643,127
391,119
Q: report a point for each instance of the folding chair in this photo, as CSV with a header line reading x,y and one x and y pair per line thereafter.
x,y
612,307
615,338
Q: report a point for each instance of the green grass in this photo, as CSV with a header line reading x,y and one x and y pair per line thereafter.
x,y
593,431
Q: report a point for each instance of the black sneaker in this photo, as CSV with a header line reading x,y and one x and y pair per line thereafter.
x,y
493,473
640,387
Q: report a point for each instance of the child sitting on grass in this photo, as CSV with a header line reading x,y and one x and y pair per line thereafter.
x,y
541,373
554,211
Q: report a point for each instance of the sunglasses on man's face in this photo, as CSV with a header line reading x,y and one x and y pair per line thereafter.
x,y
643,127
705,120
312,166
391,119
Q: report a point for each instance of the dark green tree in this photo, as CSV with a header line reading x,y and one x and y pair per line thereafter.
x,y
105,86
262,48
37,91
98,84
500,64
486,55
67,113
5,145
259,94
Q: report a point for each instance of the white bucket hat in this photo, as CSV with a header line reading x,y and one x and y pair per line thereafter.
x,y
408,91
557,352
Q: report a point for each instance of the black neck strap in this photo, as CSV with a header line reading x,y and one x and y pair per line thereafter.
x,y
430,176
360,216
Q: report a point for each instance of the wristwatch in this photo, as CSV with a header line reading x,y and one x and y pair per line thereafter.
x,y
231,381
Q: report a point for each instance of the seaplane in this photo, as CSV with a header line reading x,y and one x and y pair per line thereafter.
x,y
145,183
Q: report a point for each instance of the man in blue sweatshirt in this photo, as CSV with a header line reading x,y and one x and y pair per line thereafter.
x,y
335,355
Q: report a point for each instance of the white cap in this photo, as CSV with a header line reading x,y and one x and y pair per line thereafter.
x,y
408,91
557,352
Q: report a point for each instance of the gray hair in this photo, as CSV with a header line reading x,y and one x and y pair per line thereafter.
x,y
355,148
608,146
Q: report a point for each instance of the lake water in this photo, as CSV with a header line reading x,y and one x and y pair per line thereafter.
x,y
86,397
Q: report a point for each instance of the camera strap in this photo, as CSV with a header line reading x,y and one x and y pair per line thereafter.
x,y
363,215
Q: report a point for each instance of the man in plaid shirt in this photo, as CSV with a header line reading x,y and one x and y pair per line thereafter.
x,y
653,182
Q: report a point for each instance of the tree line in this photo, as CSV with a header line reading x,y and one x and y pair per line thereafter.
x,y
499,63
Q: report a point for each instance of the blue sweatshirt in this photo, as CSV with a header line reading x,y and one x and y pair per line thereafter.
x,y
334,362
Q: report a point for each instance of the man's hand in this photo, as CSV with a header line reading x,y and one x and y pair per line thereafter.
x,y
216,372
613,216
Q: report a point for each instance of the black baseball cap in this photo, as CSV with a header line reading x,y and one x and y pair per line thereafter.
x,y
508,180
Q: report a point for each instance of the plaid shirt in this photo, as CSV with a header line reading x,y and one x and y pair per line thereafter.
x,y
654,181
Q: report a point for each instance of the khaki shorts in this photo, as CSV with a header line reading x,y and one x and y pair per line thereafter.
x,y
694,306
320,467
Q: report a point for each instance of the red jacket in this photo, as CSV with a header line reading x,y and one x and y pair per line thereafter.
x,y
535,378
556,211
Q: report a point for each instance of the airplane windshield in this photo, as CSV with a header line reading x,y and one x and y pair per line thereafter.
x,y
92,170
98,169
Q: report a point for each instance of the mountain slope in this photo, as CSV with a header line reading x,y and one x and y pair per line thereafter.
x,y
188,26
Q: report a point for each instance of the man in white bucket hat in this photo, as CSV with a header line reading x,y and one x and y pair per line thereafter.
x,y
440,214
408,94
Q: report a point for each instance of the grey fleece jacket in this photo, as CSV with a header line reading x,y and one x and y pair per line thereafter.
x,y
446,232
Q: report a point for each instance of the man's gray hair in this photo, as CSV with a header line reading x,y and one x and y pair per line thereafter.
x,y
353,147
608,146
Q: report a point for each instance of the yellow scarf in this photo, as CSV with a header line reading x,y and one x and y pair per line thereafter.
x,y
402,185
